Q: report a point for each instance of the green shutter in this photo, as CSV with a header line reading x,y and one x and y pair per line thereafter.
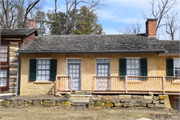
x,y
169,67
143,67
32,71
53,69
122,67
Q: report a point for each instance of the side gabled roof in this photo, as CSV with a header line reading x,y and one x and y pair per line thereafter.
x,y
93,44
19,32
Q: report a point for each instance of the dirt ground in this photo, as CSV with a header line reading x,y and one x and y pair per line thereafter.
x,y
57,113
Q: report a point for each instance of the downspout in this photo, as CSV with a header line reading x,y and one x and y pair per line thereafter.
x,y
17,82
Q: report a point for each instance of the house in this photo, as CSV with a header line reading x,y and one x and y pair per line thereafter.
x,y
104,64
11,40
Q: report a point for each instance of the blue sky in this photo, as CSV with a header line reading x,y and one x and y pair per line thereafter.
x,y
115,14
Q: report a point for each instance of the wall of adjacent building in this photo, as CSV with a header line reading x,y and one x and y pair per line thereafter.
x,y
156,67
13,60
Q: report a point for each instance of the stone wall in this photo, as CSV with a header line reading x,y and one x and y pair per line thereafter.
x,y
156,67
113,101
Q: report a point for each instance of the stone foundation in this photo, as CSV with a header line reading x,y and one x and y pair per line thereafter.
x,y
96,101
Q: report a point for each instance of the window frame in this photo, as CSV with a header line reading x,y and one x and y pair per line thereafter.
x,y
174,66
133,58
41,69
96,69
8,44
7,87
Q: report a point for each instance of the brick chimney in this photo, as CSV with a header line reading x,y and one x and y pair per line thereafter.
x,y
151,25
32,23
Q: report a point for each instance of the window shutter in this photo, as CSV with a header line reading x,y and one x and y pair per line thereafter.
x,y
143,65
122,67
53,69
32,71
169,67
143,68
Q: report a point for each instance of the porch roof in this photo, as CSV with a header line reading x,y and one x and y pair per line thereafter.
x,y
131,43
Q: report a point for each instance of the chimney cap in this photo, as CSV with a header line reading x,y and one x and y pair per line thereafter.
x,y
151,19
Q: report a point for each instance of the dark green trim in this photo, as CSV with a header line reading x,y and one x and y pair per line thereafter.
x,y
169,67
32,70
53,69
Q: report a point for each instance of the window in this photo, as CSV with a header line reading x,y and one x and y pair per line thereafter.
x,y
4,78
176,67
133,67
4,53
43,70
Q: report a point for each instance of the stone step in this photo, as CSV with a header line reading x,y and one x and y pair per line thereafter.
x,y
83,92
81,96
6,95
79,100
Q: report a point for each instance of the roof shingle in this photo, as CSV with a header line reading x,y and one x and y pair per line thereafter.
x,y
93,44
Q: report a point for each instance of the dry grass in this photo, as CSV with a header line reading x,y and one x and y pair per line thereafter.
x,y
56,113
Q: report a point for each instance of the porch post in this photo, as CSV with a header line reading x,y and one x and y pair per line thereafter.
x,y
56,85
92,84
71,83
163,83
126,83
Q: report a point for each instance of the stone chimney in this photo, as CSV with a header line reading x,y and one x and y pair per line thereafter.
x,y
151,25
32,23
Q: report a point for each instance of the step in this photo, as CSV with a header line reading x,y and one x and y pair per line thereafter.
x,y
85,92
81,96
79,100
6,95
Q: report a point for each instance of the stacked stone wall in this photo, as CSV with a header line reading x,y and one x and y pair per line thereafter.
x,y
99,101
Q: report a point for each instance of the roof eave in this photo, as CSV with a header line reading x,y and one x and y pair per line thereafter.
x,y
85,52
169,54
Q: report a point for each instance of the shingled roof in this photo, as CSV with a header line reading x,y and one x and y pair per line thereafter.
x,y
17,32
171,46
94,44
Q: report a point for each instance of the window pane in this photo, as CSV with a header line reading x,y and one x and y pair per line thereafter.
x,y
47,72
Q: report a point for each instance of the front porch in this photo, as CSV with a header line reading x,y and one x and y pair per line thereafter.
x,y
124,85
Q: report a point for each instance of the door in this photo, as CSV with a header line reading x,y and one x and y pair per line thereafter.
x,y
103,69
74,70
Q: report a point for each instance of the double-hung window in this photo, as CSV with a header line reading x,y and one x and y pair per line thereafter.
x,y
43,69
133,67
4,53
176,67
4,78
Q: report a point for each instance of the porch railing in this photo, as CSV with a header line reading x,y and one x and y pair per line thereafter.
x,y
63,83
136,83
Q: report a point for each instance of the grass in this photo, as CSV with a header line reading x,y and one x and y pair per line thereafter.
x,y
57,113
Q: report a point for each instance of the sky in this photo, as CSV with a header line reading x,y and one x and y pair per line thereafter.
x,y
116,15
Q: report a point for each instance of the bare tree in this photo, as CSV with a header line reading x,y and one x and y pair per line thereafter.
x,y
172,25
159,10
14,13
135,28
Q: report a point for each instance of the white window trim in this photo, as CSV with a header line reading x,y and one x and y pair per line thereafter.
x,y
174,66
132,57
37,68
